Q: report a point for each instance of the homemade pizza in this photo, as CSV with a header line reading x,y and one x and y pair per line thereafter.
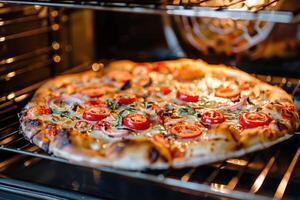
x,y
157,115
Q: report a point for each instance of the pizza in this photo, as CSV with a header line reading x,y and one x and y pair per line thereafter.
x,y
157,115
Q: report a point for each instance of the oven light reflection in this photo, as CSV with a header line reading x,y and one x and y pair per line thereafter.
x,y
11,96
8,60
97,66
219,188
10,75
239,162
21,97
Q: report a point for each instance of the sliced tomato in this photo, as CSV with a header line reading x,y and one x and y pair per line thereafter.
x,y
187,97
96,114
44,110
160,138
245,86
288,111
161,67
212,117
125,98
108,129
120,75
165,89
228,93
162,89
95,103
136,121
254,119
94,92
186,131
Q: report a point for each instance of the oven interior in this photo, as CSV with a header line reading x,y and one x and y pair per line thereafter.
x,y
40,39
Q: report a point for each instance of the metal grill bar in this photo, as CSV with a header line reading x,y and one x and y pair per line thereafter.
x,y
176,7
283,184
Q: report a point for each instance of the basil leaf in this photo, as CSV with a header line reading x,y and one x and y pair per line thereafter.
x,y
112,104
186,111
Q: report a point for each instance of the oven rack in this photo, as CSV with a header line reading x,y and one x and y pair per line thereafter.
x,y
199,8
247,177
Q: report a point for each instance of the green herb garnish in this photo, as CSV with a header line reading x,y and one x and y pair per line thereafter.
x,y
188,110
112,104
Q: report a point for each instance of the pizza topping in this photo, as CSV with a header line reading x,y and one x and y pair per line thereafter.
x,y
187,97
96,114
95,103
245,86
188,73
125,98
43,110
229,93
94,92
212,117
82,126
165,89
108,129
162,89
288,111
186,131
120,75
184,111
141,75
112,104
254,119
236,105
136,121
161,67
51,130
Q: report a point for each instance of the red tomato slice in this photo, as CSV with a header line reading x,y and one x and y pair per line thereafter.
x,y
161,67
160,138
254,119
212,117
186,131
245,86
165,89
162,89
94,92
125,98
187,97
136,121
228,93
44,110
120,75
95,103
96,114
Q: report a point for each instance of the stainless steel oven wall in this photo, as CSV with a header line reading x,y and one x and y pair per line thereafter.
x,y
38,42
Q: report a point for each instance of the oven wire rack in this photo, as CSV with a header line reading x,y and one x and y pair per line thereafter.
x,y
235,9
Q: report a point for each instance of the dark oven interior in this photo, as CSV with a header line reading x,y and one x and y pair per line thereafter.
x,y
40,39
